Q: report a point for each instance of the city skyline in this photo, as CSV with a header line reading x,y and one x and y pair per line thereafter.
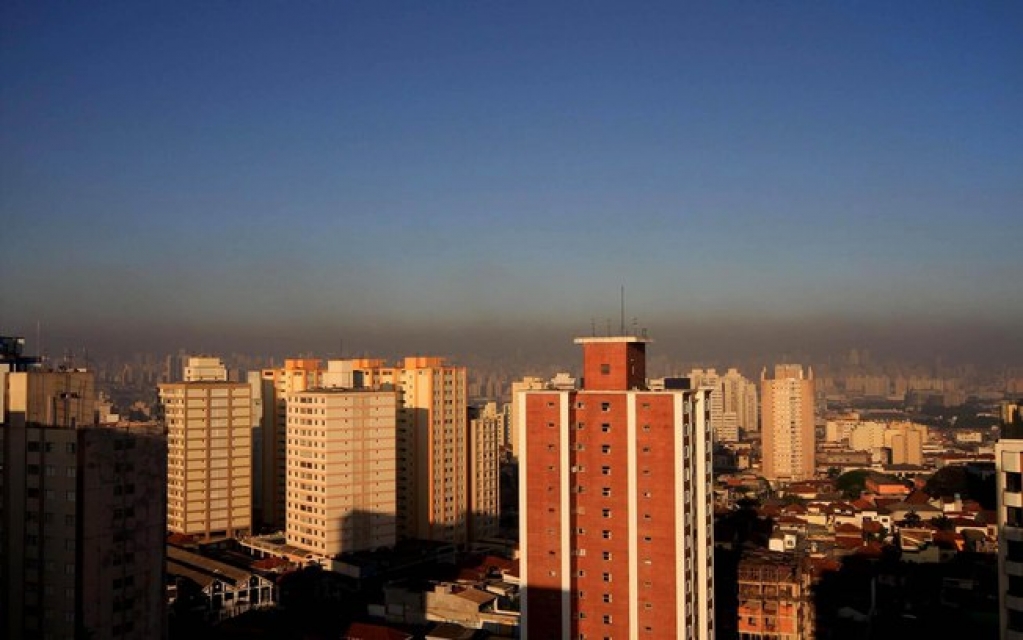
x,y
460,178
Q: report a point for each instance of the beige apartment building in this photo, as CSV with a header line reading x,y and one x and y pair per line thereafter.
x,y
433,443
740,402
486,431
342,470
82,517
272,390
209,462
787,415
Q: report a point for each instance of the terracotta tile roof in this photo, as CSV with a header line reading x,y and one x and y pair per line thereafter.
x,y
917,497
367,631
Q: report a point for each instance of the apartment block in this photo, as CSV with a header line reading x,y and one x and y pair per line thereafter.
x,y
486,431
1009,483
433,444
209,462
615,499
342,470
275,386
787,420
82,514
775,596
741,405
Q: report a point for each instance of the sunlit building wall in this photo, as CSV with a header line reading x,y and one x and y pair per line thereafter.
x,y
616,526
342,470
209,461
787,416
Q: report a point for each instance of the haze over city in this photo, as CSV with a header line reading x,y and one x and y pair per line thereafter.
x,y
459,178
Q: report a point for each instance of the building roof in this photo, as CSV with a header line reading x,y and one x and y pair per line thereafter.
x,y
476,596
367,631
450,631
202,570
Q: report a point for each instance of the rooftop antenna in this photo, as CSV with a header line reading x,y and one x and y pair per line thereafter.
x,y
623,311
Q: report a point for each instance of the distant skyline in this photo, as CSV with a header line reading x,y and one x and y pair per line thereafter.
x,y
484,176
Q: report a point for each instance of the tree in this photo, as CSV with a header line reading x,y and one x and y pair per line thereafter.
x,y
852,483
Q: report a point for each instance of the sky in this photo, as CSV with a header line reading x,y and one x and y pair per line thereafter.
x,y
489,174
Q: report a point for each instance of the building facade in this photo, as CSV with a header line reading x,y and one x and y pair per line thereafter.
x,y
486,432
1009,484
82,515
615,502
269,465
787,420
209,461
740,402
724,430
433,444
341,470
775,597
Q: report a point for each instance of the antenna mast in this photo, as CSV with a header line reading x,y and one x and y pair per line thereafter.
x,y
623,311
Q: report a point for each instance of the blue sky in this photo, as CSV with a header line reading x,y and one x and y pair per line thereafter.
x,y
237,167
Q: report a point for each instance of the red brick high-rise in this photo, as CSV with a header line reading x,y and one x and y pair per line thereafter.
x,y
615,502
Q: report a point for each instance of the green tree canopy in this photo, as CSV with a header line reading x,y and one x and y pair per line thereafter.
x,y
852,483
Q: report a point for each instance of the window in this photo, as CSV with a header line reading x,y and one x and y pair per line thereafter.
x,y
605,471
605,369
607,555
606,513
1014,482
606,492
605,406
607,598
605,449
607,618
605,427
606,534
1014,516
607,577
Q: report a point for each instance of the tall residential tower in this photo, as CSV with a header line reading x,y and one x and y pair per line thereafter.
x,y
615,500
787,433
209,441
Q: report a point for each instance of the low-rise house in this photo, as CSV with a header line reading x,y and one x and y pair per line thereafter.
x,y
775,599
221,590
